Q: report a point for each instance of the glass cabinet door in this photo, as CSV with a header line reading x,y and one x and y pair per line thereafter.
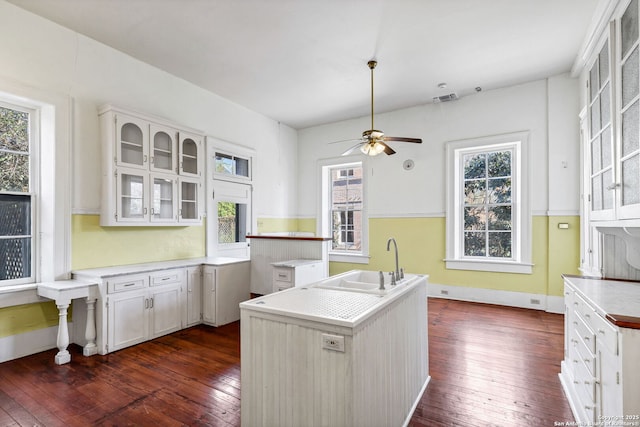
x,y
131,198
163,190
132,136
629,163
190,155
189,201
163,149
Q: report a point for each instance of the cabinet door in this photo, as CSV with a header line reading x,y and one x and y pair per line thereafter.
x,y
609,387
189,196
163,201
132,141
131,197
163,149
209,295
191,156
194,295
164,309
127,323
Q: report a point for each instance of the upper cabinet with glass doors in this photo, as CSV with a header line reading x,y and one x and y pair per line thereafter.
x,y
152,172
613,166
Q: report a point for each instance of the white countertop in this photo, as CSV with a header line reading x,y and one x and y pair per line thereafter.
x,y
329,306
612,298
103,272
293,263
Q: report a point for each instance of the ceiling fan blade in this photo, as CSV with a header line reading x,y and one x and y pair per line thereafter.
x,y
387,150
346,140
403,139
352,149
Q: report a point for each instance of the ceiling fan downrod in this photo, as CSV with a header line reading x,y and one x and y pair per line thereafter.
x,y
372,64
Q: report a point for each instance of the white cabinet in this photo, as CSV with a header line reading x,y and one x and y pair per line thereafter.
x,y
152,171
223,289
599,372
299,272
141,307
193,303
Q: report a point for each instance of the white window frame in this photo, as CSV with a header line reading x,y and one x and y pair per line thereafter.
x,y
52,205
324,225
520,262
34,191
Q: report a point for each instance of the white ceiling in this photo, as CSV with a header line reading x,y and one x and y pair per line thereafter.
x,y
303,62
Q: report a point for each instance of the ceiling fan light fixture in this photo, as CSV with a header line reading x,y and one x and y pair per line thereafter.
x,y
372,149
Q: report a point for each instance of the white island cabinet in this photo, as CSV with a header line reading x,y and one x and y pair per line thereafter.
x,y
338,352
224,287
602,347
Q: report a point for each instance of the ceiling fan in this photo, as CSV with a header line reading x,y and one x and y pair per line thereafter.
x,y
374,142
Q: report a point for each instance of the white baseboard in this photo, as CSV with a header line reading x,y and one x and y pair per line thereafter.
x,y
32,342
547,303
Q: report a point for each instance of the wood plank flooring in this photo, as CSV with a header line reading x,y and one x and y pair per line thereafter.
x,y
490,366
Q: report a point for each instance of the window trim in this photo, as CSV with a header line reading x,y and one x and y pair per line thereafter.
x,y
53,205
323,227
521,249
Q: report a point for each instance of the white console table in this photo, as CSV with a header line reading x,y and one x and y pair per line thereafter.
x,y
62,292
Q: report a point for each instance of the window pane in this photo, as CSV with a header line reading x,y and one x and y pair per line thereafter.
x,y
474,244
630,129
596,155
500,190
346,208
242,167
14,172
607,195
232,220
499,164
605,106
631,180
596,193
603,64
224,164
593,82
475,192
475,218
475,166
14,130
15,236
500,245
629,29
499,218
607,148
595,118
630,78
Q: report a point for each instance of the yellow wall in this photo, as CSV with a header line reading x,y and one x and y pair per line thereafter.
x,y
422,242
96,246
279,225
28,317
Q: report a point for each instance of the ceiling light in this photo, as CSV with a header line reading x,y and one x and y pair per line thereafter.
x,y
372,149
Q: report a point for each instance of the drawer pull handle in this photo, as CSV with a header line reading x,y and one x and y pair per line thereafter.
x,y
586,338
587,316
587,360
587,382
129,284
576,382
165,278
601,331
575,322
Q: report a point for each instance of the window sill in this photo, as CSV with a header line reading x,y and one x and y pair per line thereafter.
x,y
349,258
19,295
494,266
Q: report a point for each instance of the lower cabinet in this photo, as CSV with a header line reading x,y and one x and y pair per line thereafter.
x,y
223,289
193,303
142,307
599,371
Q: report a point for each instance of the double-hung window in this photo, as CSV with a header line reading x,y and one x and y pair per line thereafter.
x,y
488,218
344,210
18,180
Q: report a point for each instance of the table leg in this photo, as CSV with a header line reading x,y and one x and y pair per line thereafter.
x,y
90,332
63,355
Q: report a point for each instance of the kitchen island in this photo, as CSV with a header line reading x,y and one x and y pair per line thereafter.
x,y
339,352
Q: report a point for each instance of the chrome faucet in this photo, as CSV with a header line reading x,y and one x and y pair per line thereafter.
x,y
395,245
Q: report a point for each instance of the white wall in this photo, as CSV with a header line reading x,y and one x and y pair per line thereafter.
x,y
548,108
42,54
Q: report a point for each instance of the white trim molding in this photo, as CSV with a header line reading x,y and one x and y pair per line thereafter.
x,y
548,303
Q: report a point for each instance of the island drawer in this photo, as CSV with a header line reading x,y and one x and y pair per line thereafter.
x,y
165,277
282,274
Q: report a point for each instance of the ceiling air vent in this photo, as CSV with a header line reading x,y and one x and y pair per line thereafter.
x,y
445,98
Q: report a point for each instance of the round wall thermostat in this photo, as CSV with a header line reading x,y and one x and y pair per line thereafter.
x,y
408,164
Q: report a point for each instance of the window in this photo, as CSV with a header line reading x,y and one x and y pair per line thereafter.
x,y
343,210
231,166
232,221
17,187
488,219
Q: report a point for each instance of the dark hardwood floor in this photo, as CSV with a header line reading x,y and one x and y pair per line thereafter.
x,y
490,366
